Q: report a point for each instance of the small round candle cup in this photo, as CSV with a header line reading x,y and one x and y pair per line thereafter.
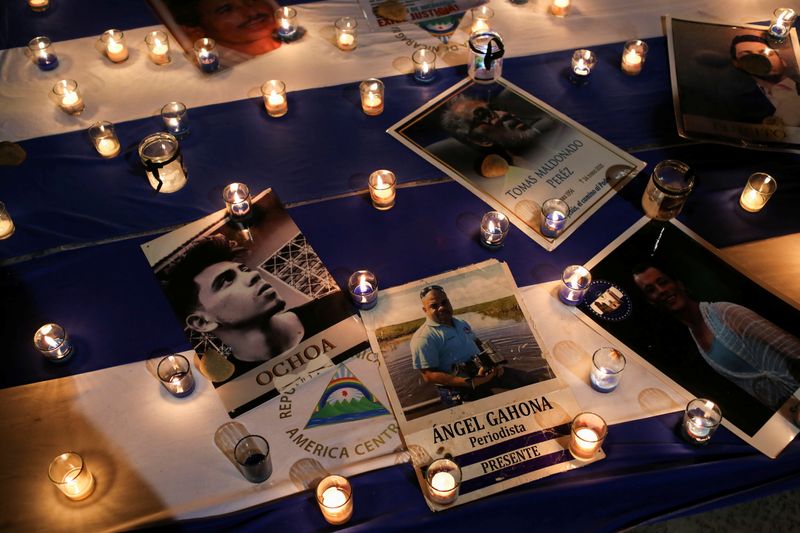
x,y
494,228
104,139
363,287
335,499
274,93
382,189
700,420
485,63
588,430
607,366
424,65
574,281
53,343
39,5
176,119
69,473
43,53
670,185
286,19
175,374
113,45
633,56
782,21
237,199
372,96
756,193
560,8
67,96
6,223
161,156
253,458
346,33
443,480
205,50
158,47
554,217
481,17
583,61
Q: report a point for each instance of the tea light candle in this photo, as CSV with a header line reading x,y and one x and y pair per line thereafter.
x,y
176,376
480,19
700,420
363,287
53,343
176,118
69,473
346,33
104,139
560,8
66,95
587,433
757,192
424,65
554,217
443,479
607,366
372,96
158,45
335,499
633,55
42,53
205,50
582,63
114,43
382,189
782,20
574,281
286,17
6,224
38,5
274,93
494,227
237,199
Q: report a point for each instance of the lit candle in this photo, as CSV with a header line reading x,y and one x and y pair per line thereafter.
x,y
372,96
485,63
633,55
607,366
382,189
108,147
176,376
53,343
582,63
115,48
104,138
424,65
783,19
38,5
163,162
588,431
42,53
335,499
363,287
158,44
346,33
69,473
205,50
757,192
176,119
700,420
65,93
554,217
443,478
480,19
237,199
574,281
560,8
274,93
287,22
6,224
494,227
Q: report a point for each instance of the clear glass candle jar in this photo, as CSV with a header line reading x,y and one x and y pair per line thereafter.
x,y
670,185
104,139
67,96
347,33
161,156
43,53
112,43
485,63
158,47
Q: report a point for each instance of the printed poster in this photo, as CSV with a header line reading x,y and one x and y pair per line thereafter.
x,y
516,152
440,16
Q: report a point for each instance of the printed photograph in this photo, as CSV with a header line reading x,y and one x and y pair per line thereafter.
x,y
753,100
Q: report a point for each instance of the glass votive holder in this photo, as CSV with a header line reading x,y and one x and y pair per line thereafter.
x,y
175,374
574,281
205,50
335,499
158,47
363,287
67,96
286,19
69,473
6,223
782,20
253,459
176,119
39,5
494,228
583,61
163,163
104,139
424,65
43,53
700,420
633,56
443,480
587,433
607,366
346,33
485,63
759,189
670,185
481,17
372,95
554,217
53,343
274,93
113,45
237,199
560,8
382,189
